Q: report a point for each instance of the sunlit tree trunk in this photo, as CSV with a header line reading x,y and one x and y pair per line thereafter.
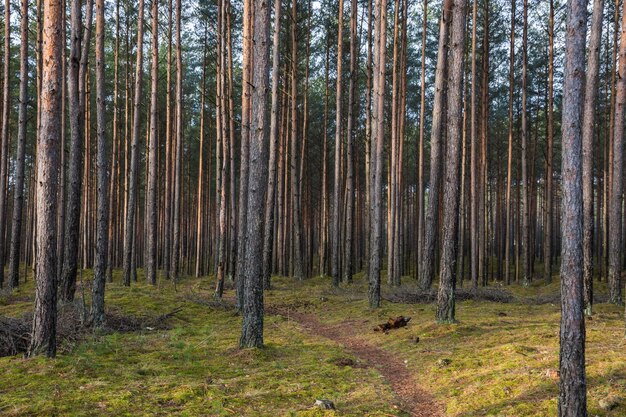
x,y
43,337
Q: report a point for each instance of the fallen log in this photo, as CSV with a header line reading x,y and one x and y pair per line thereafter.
x,y
392,323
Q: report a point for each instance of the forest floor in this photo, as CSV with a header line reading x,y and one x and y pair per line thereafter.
x,y
500,359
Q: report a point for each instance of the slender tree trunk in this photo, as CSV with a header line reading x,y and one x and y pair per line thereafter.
x,y
436,148
524,208
295,195
420,168
336,235
509,174
447,279
474,236
376,154
43,337
4,140
268,235
547,242
351,135
200,217
617,184
151,198
252,327
129,226
591,94
18,196
572,396
176,251
102,243
79,51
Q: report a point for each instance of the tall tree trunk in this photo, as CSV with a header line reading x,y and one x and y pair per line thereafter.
x,y
295,194
129,226
200,217
268,235
509,173
43,337
245,149
79,51
115,165
447,279
617,184
591,94
420,168
176,251
474,174
436,148
376,154
4,140
18,196
547,241
572,396
351,135
336,234
151,198
102,226
252,327
524,208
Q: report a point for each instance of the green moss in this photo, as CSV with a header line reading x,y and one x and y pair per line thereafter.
x,y
500,365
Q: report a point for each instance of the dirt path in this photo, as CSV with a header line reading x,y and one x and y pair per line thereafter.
x,y
411,397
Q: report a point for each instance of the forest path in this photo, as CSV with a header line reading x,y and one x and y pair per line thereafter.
x,y
412,398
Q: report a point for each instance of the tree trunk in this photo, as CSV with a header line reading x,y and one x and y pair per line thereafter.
x,y
447,279
351,135
336,234
436,147
524,208
79,51
268,235
572,396
617,184
102,243
151,198
420,168
18,196
4,140
43,338
129,226
252,327
591,94
176,236
376,154
508,218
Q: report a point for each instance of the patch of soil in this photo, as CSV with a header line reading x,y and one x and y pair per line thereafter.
x,y
412,398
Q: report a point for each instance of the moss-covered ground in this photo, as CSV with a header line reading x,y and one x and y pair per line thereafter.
x,y
499,360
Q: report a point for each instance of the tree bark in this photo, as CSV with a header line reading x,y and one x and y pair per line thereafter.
x,y
572,396
617,182
252,327
447,279
336,234
18,196
151,198
43,338
268,235
102,243
79,51
129,226
591,94
436,148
